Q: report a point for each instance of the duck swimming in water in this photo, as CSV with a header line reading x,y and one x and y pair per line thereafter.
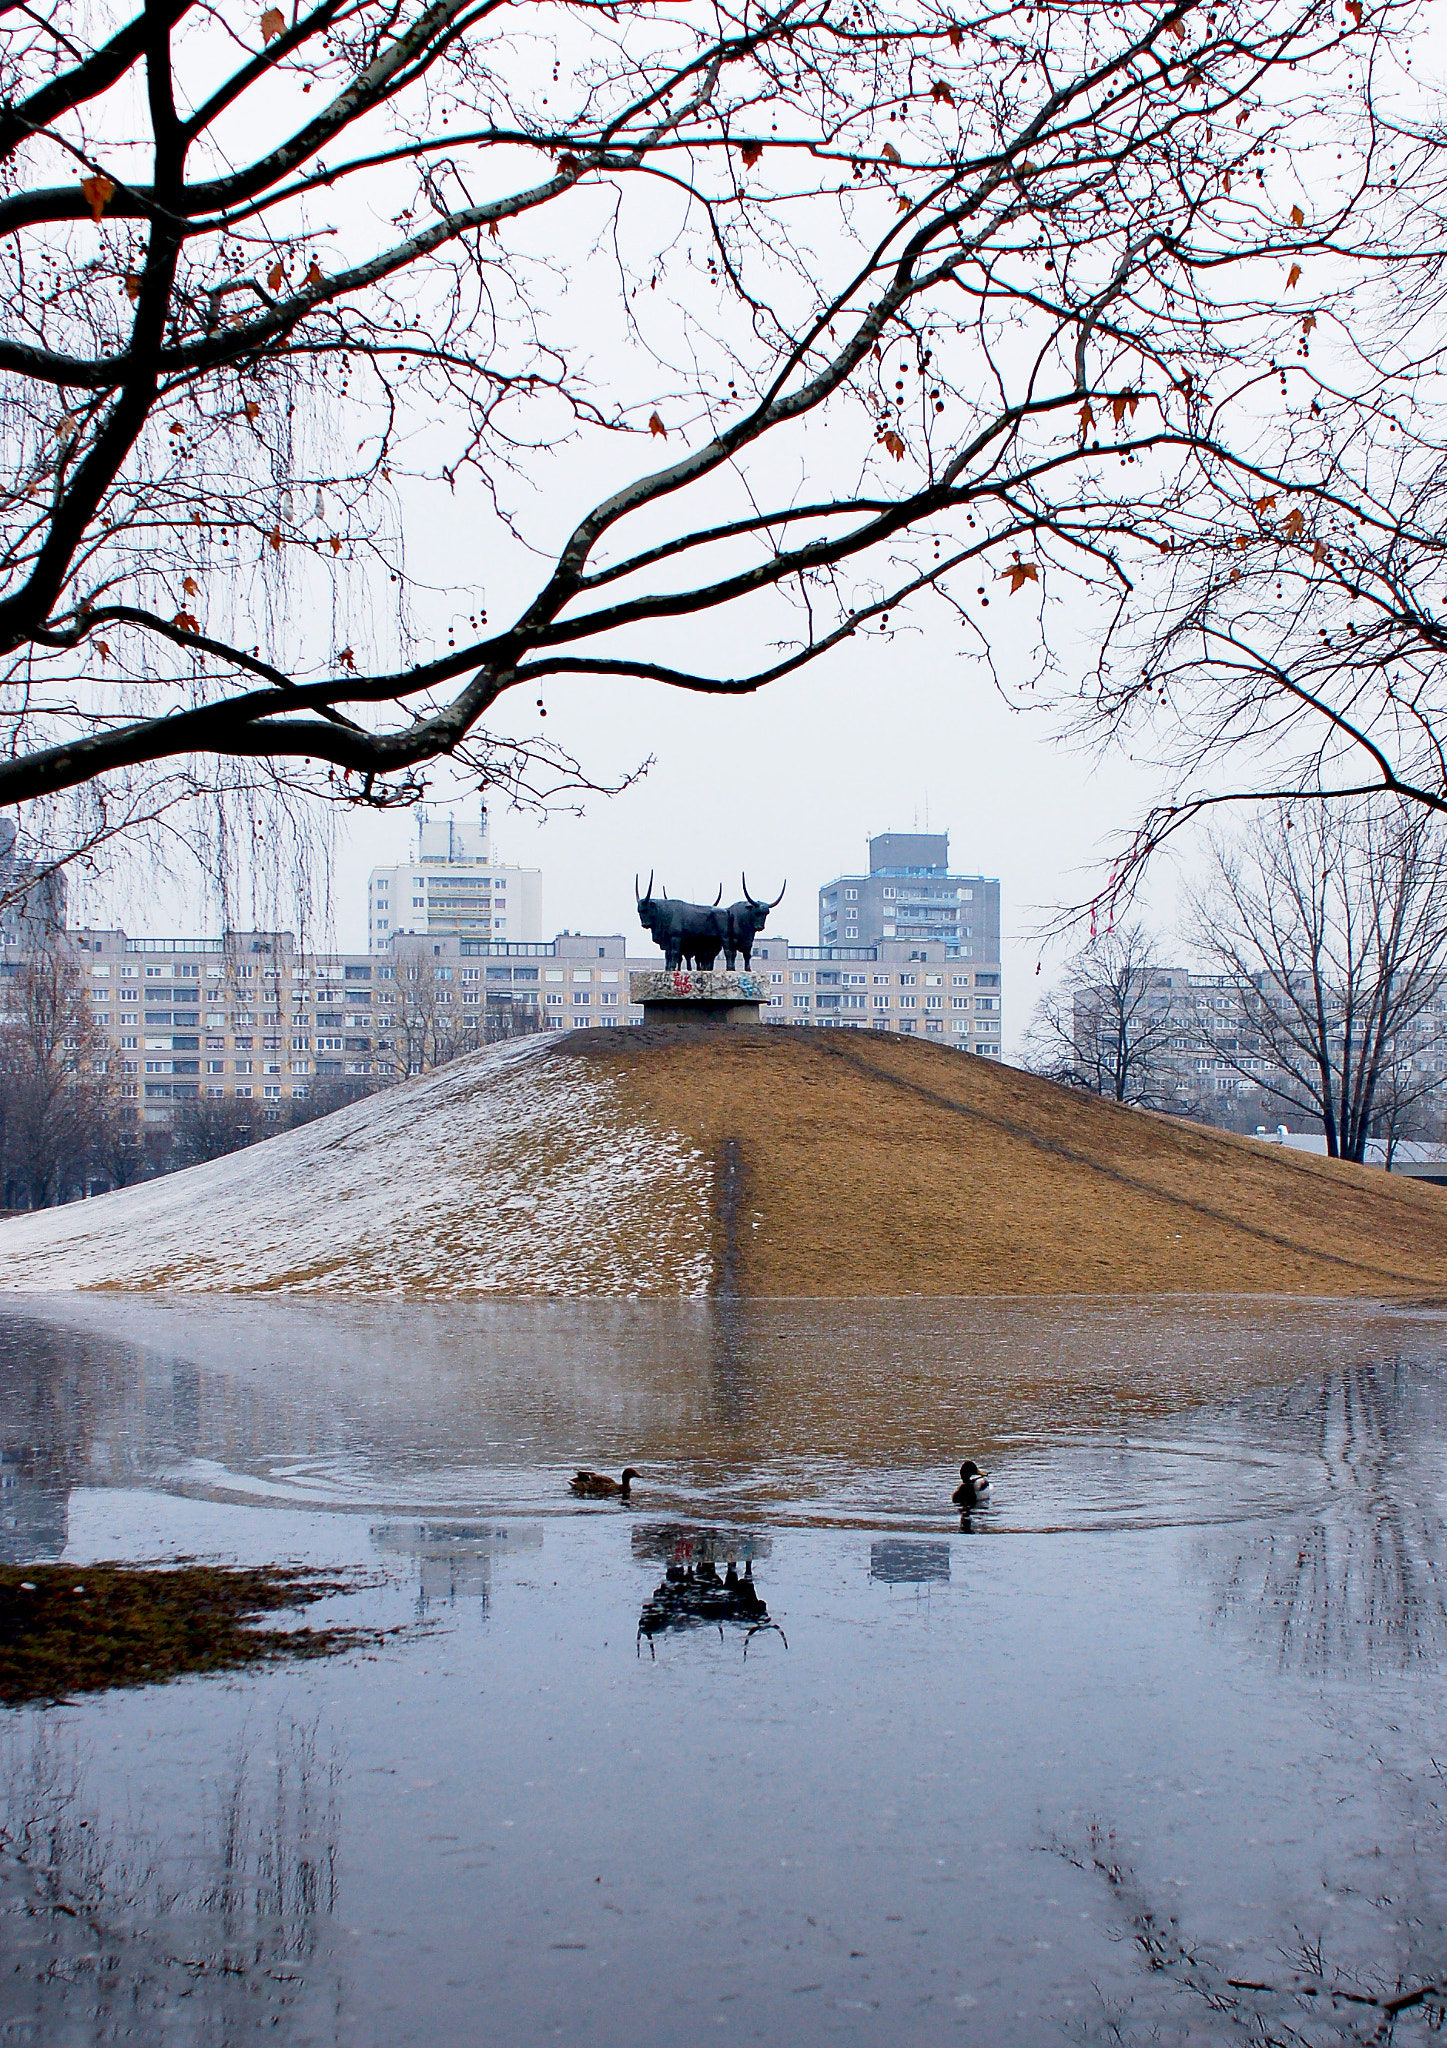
x,y
587,1485
973,1490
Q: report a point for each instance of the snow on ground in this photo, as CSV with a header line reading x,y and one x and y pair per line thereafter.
x,y
515,1171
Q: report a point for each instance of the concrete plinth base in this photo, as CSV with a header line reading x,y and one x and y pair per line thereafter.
x,y
702,999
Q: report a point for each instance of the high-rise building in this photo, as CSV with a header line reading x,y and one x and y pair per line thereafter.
x,y
32,897
454,889
910,894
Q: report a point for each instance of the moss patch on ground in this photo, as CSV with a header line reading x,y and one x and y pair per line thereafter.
x,y
67,1629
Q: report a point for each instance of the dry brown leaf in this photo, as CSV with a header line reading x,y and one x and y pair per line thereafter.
x,y
1292,275
941,93
189,585
275,538
272,24
105,649
751,152
275,277
902,203
97,192
347,658
1087,417
492,229
1293,522
1020,573
1308,323
1318,552
1354,9
314,273
656,426
894,444
1124,402
1267,504
253,410
1178,30
956,35
133,285
890,154
187,621
336,545
1298,218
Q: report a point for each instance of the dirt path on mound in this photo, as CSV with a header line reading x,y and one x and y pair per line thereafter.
x,y
853,1163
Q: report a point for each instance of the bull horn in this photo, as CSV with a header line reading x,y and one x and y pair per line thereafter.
x,y
745,880
636,896
719,898
778,899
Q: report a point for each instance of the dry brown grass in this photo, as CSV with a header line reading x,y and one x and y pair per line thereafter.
x,y
854,1163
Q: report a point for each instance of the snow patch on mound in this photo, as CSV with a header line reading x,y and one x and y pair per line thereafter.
x,y
517,1171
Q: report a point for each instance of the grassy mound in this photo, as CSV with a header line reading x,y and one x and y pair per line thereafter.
x,y
753,1161
856,1163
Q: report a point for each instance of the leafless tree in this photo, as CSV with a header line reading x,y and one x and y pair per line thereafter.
x,y
430,1021
1328,930
782,319
212,1126
52,1075
1108,1026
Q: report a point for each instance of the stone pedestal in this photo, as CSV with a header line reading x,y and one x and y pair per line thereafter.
x,y
699,999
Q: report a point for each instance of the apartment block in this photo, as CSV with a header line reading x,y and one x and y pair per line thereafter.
x,y
910,894
454,888
255,1016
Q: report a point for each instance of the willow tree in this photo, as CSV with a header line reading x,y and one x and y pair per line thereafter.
x,y
366,367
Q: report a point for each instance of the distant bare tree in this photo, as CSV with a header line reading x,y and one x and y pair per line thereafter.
x,y
212,1126
432,1025
1329,928
1108,1026
52,1067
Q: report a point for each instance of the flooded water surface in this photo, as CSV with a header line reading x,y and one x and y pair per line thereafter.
x,y
1152,1748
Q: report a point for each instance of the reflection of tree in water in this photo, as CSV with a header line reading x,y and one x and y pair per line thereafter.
x,y
101,1940
1306,2001
1359,1582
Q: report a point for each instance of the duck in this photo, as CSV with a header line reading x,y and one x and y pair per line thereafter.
x,y
974,1488
587,1485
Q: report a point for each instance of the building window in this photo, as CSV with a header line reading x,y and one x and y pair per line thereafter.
x,y
881,1002
805,977
243,1067
851,895
801,1002
216,1066
608,997
580,1000
906,1002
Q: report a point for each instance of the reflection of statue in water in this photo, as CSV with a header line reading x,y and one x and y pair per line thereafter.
x,y
692,1594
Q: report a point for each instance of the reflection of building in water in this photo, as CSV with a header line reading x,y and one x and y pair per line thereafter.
x,y
454,1559
34,1514
683,1543
896,1562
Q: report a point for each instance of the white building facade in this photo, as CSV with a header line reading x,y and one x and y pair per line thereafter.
x,y
454,889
